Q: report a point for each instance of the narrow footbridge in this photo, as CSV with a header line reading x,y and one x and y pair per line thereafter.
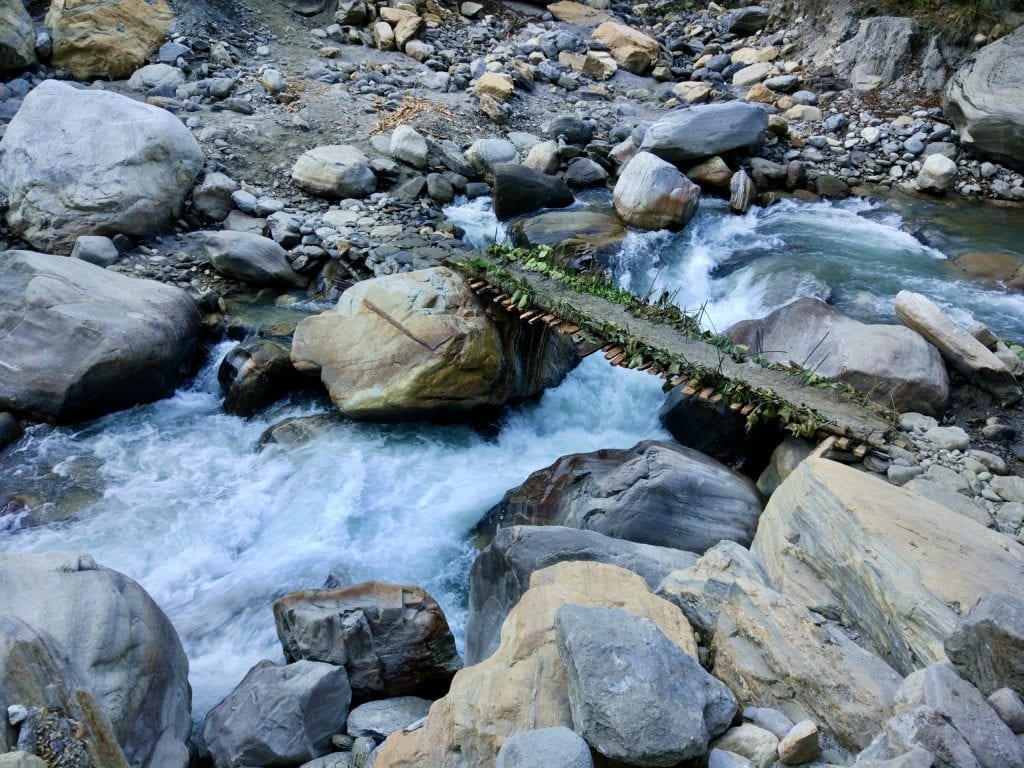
x,y
659,339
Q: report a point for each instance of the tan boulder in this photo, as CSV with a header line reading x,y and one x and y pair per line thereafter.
x,y
599,65
692,92
577,13
106,38
652,194
712,173
383,36
407,29
897,567
497,85
522,686
633,50
755,55
1005,267
761,94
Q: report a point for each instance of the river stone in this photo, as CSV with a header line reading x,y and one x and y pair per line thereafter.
x,y
652,194
409,146
985,100
892,364
712,173
686,135
635,695
111,341
755,744
155,76
741,192
774,652
653,493
251,258
22,760
35,672
848,544
961,704
964,352
484,154
987,647
88,162
128,652
519,189
632,50
393,640
278,715
557,747
106,38
95,249
522,685
379,719
586,229
254,375
936,175
17,37
584,172
501,572
420,345
543,157
334,170
211,198
879,52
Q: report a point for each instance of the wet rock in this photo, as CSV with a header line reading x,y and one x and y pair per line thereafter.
x,y
501,572
712,173
1008,705
584,172
17,38
278,715
879,52
572,129
156,76
755,744
379,719
686,135
393,640
251,258
632,50
741,192
334,170
596,230
987,647
557,747
10,429
254,375
652,194
519,189
111,341
88,162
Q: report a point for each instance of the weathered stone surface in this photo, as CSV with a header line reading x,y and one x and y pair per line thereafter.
x,y
334,170
211,198
985,100
635,695
692,93
501,572
848,544
757,745
686,135
713,173
88,162
484,154
126,649
522,686
771,651
596,230
251,259
741,192
987,647
519,189
254,375
95,249
963,351
420,344
937,174
893,364
632,50
654,493
651,194
785,458
17,37
393,640
379,719
278,715
111,341
801,744
109,38
21,760
557,747
409,146
880,51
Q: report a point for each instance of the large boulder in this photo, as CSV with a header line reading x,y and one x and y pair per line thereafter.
x,y
964,352
632,50
987,647
985,100
587,229
393,640
90,162
501,572
845,543
635,695
653,493
892,364
420,344
334,170
773,652
17,37
879,52
684,136
523,685
108,38
519,189
129,655
255,374
652,194
251,259
110,341
278,715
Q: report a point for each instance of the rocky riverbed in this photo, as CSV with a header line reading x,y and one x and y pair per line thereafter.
x,y
278,489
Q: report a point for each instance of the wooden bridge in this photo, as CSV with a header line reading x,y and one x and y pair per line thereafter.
x,y
852,425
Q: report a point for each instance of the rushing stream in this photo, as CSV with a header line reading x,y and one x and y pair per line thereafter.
x,y
179,495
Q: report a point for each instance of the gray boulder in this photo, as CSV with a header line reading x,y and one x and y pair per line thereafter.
x,y
484,154
155,76
334,170
379,719
652,194
211,198
111,341
653,493
95,249
409,146
987,647
936,175
278,715
687,135
891,363
879,52
556,747
985,100
1010,707
89,162
251,259
17,37
745,21
921,728
128,652
501,572
635,696
519,189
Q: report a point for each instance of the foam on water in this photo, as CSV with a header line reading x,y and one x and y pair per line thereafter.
x,y
477,220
